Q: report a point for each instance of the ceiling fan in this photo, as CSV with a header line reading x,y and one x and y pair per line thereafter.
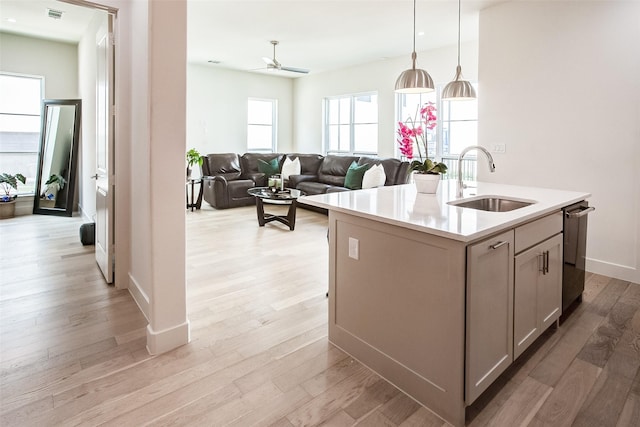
x,y
273,64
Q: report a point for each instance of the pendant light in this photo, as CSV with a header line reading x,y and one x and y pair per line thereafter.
x,y
414,80
459,89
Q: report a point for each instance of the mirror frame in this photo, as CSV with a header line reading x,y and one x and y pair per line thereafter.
x,y
73,158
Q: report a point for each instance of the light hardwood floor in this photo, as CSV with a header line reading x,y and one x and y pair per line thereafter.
x,y
73,349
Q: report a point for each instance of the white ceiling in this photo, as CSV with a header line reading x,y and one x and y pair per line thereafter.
x,y
318,35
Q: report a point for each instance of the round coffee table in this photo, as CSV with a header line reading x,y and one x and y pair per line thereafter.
x,y
287,196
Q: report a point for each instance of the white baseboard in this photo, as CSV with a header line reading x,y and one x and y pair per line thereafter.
x,y
162,341
616,271
139,296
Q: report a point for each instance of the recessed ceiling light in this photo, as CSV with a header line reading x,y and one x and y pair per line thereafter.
x,y
12,20
421,33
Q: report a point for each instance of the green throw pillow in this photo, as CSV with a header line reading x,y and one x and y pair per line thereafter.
x,y
355,173
269,168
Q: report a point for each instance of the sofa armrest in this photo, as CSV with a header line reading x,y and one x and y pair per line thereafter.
x,y
215,191
294,180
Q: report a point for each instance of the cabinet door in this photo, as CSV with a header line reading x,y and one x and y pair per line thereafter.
x,y
528,265
489,338
550,284
537,292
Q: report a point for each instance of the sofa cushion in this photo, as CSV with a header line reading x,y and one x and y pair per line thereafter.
x,y
309,163
334,168
249,162
355,173
290,167
374,177
238,189
222,164
269,168
336,189
311,187
394,169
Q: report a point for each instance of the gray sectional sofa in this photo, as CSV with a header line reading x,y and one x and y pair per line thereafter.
x,y
228,176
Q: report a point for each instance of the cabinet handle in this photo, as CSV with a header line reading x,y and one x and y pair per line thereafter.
x,y
541,263
546,262
497,245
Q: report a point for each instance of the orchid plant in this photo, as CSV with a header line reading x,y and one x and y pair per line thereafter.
x,y
415,130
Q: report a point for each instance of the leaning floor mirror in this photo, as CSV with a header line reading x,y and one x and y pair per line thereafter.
x,y
57,167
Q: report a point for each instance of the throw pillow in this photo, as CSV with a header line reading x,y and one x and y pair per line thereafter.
x,y
374,177
290,167
269,168
355,173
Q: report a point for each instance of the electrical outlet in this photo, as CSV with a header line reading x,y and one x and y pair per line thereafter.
x,y
499,148
354,250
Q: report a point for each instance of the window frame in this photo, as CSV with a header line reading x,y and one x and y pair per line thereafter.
x,y
22,188
447,158
326,125
273,125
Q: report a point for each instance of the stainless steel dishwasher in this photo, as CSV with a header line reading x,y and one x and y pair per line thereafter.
x,y
575,245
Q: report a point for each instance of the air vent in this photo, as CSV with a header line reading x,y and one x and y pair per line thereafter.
x,y
213,61
55,14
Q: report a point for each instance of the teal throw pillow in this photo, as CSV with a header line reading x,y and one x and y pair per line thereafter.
x,y
355,173
269,168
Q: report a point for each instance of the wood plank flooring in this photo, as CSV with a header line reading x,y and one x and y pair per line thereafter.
x,y
72,349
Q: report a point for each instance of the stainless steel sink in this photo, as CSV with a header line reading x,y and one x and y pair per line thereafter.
x,y
492,204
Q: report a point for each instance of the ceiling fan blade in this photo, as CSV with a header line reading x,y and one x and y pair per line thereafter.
x,y
295,70
268,61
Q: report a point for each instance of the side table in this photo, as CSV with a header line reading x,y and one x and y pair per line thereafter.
x,y
198,203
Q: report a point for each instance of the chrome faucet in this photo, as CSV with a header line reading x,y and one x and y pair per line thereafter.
x,y
492,167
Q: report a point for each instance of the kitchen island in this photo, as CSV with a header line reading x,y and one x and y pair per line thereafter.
x,y
440,299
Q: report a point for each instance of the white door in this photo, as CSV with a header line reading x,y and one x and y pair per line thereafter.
x,y
104,151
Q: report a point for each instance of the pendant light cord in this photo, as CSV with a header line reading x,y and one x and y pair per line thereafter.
x,y
458,32
414,25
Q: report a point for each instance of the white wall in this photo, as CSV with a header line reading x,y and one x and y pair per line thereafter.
x,y
377,76
56,61
560,88
150,75
217,108
87,72
140,273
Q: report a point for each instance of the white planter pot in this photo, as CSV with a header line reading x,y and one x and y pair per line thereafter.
x,y
426,183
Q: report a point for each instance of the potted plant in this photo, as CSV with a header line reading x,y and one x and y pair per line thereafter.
x,y
7,200
54,184
412,132
193,157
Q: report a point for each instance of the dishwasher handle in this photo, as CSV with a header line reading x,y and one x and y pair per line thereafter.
x,y
578,213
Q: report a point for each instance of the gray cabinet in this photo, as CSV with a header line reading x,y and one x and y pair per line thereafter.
x,y
489,322
537,291
514,293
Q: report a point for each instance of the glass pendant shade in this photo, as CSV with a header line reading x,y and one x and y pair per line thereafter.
x,y
458,89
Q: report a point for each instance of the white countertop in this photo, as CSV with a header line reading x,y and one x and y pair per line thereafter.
x,y
401,205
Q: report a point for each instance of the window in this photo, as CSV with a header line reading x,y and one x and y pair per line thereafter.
x,y
351,124
457,128
261,125
20,101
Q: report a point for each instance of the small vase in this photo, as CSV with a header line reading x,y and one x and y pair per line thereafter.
x,y
426,183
